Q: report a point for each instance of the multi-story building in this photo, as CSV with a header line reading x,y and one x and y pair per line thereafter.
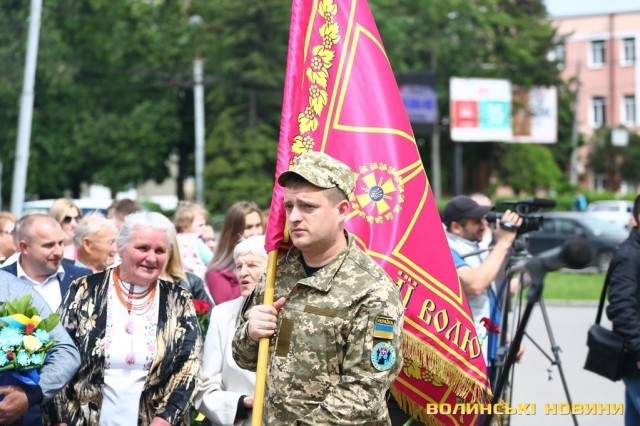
x,y
601,52
601,56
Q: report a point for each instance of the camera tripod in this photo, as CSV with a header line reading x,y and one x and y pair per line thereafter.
x,y
502,371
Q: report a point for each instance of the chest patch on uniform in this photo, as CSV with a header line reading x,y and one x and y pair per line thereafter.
x,y
383,356
383,328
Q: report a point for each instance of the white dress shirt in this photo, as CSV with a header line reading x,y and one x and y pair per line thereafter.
x,y
222,382
49,289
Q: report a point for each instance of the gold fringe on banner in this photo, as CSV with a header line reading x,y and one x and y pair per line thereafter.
x,y
442,370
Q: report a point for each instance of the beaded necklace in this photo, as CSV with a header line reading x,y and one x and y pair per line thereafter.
x,y
136,303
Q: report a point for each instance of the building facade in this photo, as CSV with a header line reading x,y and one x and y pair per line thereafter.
x,y
600,55
601,52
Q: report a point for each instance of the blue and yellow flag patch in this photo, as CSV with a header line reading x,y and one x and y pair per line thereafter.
x,y
383,328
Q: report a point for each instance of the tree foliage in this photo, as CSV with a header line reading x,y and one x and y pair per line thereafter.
x,y
615,163
529,168
244,100
114,98
485,38
105,105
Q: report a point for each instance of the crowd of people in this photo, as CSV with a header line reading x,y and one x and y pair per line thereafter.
x,y
123,285
131,349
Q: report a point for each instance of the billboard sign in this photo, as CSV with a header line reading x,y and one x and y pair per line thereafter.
x,y
418,91
480,110
535,115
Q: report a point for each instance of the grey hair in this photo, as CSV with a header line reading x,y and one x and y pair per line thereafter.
x,y
145,219
91,224
254,244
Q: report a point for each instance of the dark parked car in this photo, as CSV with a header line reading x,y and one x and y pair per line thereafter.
x,y
558,227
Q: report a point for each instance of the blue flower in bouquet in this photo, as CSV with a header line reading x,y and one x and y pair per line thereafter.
x,y
23,358
3,358
10,337
43,336
37,359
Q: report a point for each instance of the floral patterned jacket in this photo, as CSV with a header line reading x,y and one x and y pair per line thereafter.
x,y
172,377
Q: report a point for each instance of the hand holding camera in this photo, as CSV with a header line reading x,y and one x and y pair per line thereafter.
x,y
507,226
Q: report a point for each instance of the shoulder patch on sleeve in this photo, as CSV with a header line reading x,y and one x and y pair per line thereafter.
x,y
383,327
383,356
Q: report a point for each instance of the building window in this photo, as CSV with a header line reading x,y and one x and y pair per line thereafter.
x,y
598,53
628,51
598,111
557,54
630,109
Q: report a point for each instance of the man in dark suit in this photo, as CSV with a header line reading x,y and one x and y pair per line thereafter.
x,y
40,264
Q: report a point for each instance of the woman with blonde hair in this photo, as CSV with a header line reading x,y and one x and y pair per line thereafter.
x,y
242,220
189,220
174,272
67,214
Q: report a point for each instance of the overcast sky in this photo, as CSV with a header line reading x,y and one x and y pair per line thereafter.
x,y
589,7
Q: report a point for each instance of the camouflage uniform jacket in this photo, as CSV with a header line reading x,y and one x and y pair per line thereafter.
x,y
320,364
172,377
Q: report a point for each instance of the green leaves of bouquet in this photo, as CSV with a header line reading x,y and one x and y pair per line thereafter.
x,y
24,336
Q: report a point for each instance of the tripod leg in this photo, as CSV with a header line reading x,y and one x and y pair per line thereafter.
x,y
556,355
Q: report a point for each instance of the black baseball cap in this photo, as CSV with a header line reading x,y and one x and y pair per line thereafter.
x,y
462,207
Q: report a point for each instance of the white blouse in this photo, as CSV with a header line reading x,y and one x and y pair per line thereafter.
x,y
128,358
221,381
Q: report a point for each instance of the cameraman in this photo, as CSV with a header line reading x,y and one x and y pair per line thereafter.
x,y
477,272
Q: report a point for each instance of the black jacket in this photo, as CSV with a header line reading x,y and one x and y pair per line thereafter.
x,y
195,286
624,297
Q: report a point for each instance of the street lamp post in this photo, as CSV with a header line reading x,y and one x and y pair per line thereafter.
x,y
26,111
198,107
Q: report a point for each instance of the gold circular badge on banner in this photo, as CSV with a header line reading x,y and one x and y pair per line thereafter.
x,y
379,193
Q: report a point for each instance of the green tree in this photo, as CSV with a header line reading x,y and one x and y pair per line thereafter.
x,y
247,56
113,93
630,168
469,38
615,163
106,106
529,168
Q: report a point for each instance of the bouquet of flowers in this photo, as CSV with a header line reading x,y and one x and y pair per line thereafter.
x,y
24,342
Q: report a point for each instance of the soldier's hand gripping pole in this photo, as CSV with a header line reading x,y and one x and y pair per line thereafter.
x,y
263,348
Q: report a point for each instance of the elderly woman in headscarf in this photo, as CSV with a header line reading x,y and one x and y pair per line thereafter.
x,y
225,391
138,337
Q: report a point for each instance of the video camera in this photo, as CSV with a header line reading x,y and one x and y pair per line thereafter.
x,y
526,210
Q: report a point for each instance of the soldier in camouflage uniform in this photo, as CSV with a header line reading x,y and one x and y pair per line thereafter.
x,y
338,316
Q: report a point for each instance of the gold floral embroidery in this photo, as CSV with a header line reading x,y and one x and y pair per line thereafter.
x,y
302,144
307,120
317,98
317,73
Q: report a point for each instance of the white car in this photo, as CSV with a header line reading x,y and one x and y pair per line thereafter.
x,y
616,212
86,205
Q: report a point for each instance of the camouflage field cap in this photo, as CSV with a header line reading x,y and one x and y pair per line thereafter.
x,y
323,171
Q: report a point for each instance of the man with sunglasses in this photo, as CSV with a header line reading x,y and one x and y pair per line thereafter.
x,y
41,244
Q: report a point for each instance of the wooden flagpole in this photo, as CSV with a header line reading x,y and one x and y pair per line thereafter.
x,y
263,348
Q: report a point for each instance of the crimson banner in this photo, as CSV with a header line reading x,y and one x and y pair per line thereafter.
x,y
341,98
